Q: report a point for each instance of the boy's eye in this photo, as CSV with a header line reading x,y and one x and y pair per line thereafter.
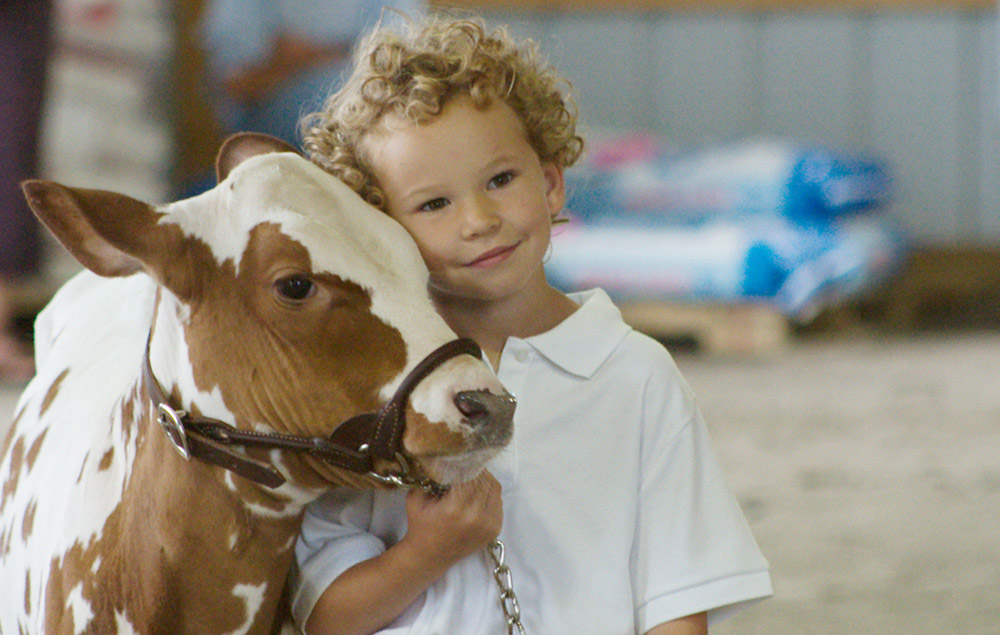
x,y
501,179
433,204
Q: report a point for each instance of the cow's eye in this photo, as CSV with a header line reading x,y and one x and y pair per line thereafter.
x,y
297,287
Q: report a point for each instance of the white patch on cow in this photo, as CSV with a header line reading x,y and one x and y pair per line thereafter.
x,y
79,608
123,625
233,539
65,464
266,512
207,217
183,313
96,566
260,510
435,399
289,543
169,355
230,483
297,496
253,597
462,467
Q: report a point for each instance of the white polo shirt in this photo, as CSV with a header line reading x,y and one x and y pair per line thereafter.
x,y
617,516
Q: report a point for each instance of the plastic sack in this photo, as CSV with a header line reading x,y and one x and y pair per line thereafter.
x,y
638,180
798,269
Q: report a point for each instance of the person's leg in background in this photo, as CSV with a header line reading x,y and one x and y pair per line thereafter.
x,y
25,42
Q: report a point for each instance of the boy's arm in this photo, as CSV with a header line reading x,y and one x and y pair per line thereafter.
x,y
696,624
441,531
372,593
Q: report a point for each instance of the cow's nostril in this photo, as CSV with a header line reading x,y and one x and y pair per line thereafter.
x,y
473,404
491,415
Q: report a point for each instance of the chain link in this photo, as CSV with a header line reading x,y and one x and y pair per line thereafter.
x,y
504,579
497,550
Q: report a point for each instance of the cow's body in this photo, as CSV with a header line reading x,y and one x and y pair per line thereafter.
x,y
104,527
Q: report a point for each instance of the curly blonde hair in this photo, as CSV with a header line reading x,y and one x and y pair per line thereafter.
x,y
414,72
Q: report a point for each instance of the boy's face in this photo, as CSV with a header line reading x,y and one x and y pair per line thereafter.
x,y
474,195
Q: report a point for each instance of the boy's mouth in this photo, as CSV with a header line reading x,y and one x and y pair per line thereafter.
x,y
493,256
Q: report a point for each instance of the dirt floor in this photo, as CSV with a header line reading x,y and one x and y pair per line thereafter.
x,y
869,470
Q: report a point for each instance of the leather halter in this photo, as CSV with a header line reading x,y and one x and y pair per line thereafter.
x,y
354,445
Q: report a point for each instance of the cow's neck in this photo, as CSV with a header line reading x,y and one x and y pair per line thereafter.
x,y
219,546
222,558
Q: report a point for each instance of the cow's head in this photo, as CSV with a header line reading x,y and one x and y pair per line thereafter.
x,y
288,304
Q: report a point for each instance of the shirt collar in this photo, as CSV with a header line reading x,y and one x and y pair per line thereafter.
x,y
584,340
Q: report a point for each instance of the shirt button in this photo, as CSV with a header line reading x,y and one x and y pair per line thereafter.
x,y
521,357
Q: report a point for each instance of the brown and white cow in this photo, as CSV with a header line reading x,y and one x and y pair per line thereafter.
x,y
276,302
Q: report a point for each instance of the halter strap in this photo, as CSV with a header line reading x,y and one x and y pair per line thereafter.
x,y
354,445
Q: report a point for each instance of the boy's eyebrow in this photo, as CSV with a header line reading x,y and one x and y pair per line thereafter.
x,y
503,158
422,192
421,189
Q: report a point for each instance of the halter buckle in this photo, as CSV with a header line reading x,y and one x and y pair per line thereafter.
x,y
170,420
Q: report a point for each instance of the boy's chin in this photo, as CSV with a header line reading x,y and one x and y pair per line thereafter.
x,y
451,470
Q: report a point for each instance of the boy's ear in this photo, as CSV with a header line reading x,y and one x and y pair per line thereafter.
x,y
241,146
555,179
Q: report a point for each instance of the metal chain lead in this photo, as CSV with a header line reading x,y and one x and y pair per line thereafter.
x,y
508,599
497,550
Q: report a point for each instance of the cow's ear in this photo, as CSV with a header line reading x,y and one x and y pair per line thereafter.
x,y
240,147
99,228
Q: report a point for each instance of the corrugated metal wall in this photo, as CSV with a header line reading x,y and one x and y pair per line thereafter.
x,y
918,88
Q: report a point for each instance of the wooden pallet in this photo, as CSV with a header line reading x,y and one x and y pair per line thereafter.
x,y
753,329
958,286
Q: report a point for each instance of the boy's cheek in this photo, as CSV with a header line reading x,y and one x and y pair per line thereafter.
x,y
427,252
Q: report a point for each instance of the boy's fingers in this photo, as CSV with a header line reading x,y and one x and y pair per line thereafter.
x,y
479,488
417,499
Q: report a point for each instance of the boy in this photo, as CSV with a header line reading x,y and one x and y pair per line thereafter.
x,y
615,514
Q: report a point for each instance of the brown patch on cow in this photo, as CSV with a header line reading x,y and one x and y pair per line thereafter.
x,y
300,368
65,573
35,448
12,432
129,414
16,462
165,554
105,462
83,467
423,437
52,392
27,593
28,523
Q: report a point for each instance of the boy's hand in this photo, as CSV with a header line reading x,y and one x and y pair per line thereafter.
x,y
441,531
446,529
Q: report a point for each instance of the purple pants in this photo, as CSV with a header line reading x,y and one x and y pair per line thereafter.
x,y
25,42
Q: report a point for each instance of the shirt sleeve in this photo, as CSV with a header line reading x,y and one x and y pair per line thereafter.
x,y
333,539
694,551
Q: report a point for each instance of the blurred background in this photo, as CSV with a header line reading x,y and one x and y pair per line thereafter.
x,y
799,198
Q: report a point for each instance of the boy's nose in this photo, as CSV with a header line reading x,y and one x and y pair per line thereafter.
x,y
481,216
